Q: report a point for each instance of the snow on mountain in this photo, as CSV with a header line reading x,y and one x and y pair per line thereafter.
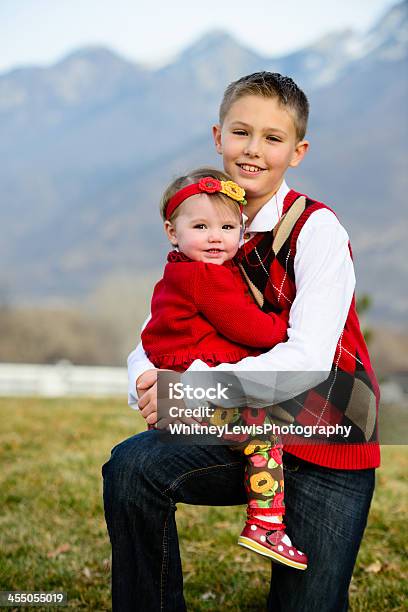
x,y
387,40
92,140
334,54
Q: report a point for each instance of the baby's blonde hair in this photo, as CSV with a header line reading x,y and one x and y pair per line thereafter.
x,y
193,177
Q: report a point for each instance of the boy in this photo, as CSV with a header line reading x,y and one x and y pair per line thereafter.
x,y
263,120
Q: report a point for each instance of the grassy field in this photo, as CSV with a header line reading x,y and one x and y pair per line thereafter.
x,y
52,531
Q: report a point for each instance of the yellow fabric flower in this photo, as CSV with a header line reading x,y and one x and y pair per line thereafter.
x,y
255,446
233,190
221,416
261,482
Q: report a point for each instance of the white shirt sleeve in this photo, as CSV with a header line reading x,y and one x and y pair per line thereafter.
x,y
325,283
137,363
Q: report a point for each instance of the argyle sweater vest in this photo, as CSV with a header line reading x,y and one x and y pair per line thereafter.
x,y
350,395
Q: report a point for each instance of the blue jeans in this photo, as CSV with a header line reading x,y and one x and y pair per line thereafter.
x,y
326,512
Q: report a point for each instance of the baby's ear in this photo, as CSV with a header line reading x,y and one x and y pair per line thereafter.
x,y
170,230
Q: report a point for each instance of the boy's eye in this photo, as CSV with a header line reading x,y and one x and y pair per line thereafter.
x,y
273,138
239,132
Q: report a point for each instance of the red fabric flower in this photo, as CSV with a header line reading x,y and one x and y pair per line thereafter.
x,y
258,460
278,500
276,453
254,416
253,503
209,184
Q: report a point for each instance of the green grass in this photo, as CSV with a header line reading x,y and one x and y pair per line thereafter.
x,y
53,536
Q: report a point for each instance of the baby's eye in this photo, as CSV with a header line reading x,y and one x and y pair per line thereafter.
x,y
199,226
227,226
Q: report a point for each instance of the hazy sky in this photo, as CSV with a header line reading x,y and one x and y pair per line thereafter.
x,y
42,31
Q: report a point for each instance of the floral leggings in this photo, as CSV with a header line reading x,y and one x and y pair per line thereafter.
x,y
264,483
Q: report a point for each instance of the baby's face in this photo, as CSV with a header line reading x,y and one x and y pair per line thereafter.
x,y
205,230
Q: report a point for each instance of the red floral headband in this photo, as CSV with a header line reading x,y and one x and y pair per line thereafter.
x,y
207,184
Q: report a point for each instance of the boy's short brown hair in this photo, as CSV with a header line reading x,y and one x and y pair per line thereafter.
x,y
270,85
193,177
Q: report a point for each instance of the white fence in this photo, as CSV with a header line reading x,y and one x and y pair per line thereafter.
x,y
62,379
66,379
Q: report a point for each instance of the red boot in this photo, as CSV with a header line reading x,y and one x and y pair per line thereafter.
x,y
271,543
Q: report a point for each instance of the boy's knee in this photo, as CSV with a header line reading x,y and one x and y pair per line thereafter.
x,y
133,467
122,472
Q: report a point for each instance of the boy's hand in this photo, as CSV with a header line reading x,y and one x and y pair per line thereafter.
x,y
146,388
145,381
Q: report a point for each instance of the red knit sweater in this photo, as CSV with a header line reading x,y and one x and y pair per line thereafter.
x,y
204,311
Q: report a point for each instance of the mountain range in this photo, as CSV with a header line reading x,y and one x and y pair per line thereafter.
x,y
88,144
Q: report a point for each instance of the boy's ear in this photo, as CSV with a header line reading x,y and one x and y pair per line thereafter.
x,y
299,153
216,130
170,232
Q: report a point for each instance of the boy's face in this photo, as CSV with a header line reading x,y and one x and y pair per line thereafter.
x,y
258,143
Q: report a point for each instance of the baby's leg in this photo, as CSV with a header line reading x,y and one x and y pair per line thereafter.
x,y
264,531
264,482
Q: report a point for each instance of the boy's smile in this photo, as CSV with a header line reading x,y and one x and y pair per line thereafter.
x,y
258,143
251,168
